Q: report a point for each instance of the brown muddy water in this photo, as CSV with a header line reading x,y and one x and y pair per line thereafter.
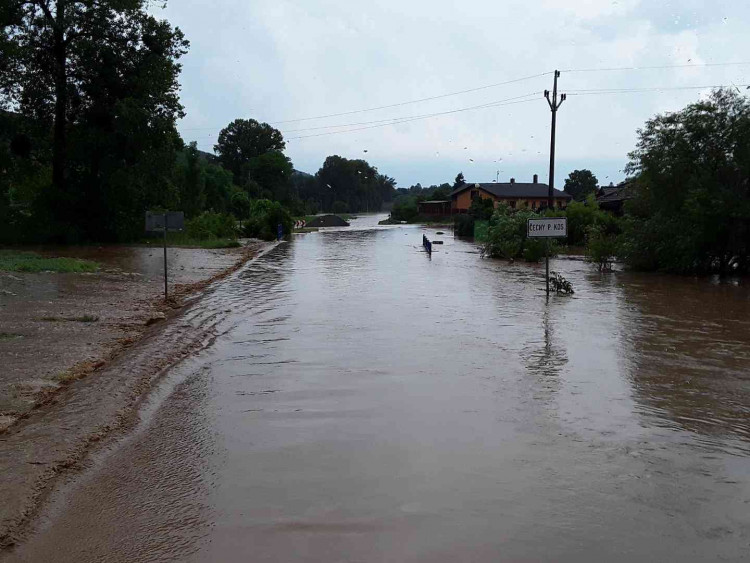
x,y
368,403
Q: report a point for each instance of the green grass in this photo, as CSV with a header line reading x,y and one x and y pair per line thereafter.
x,y
13,261
6,336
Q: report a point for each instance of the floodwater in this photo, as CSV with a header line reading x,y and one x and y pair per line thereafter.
x,y
368,403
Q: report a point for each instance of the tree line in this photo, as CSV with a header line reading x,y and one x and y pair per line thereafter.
x,y
89,100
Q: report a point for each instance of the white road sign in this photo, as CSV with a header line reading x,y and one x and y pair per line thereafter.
x,y
552,227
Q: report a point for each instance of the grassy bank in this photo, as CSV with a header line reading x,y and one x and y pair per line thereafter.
x,y
14,261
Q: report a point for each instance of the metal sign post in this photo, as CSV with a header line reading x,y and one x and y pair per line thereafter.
x,y
166,291
167,221
552,227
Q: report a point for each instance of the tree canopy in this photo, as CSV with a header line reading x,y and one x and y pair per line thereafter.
x,y
691,202
245,139
104,75
354,182
580,183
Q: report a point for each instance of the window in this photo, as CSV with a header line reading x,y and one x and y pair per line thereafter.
x,y
474,194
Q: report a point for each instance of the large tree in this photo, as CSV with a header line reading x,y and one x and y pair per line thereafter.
x,y
691,199
580,183
243,140
272,171
103,74
354,182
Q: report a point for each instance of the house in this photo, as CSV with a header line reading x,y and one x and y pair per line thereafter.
x,y
435,208
612,198
518,195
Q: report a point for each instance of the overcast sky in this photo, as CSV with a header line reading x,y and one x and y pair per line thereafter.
x,y
281,60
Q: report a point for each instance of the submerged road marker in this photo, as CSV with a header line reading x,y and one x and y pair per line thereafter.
x,y
427,245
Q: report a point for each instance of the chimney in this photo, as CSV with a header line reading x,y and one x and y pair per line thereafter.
x,y
512,180
536,178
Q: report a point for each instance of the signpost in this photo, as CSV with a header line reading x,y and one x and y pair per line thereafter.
x,y
547,228
167,221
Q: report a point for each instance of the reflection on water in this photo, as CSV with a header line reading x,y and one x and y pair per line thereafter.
x,y
687,344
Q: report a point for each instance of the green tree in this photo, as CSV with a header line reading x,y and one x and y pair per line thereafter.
x,y
690,210
193,182
218,187
272,171
243,140
459,181
580,183
265,216
354,182
103,74
405,208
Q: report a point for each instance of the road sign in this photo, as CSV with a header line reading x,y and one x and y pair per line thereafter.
x,y
175,221
547,228
167,221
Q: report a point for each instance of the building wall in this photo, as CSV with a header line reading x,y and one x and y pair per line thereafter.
x,y
463,201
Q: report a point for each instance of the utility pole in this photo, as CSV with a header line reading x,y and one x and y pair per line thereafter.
x,y
554,105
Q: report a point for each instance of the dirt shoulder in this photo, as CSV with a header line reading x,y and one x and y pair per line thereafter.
x,y
66,383
56,327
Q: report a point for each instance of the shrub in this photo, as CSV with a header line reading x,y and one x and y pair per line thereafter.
x,y
559,284
265,216
404,209
601,247
506,237
209,225
464,225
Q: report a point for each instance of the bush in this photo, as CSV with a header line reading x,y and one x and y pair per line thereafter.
x,y
209,225
601,247
404,209
265,216
482,208
559,284
464,225
506,237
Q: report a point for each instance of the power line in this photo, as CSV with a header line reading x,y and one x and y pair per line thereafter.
x,y
428,116
594,91
391,119
530,97
399,104
693,65
419,100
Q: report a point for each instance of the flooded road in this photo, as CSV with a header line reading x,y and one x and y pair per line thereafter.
x,y
365,402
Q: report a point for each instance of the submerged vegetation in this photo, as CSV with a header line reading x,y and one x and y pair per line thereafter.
x,y
13,261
